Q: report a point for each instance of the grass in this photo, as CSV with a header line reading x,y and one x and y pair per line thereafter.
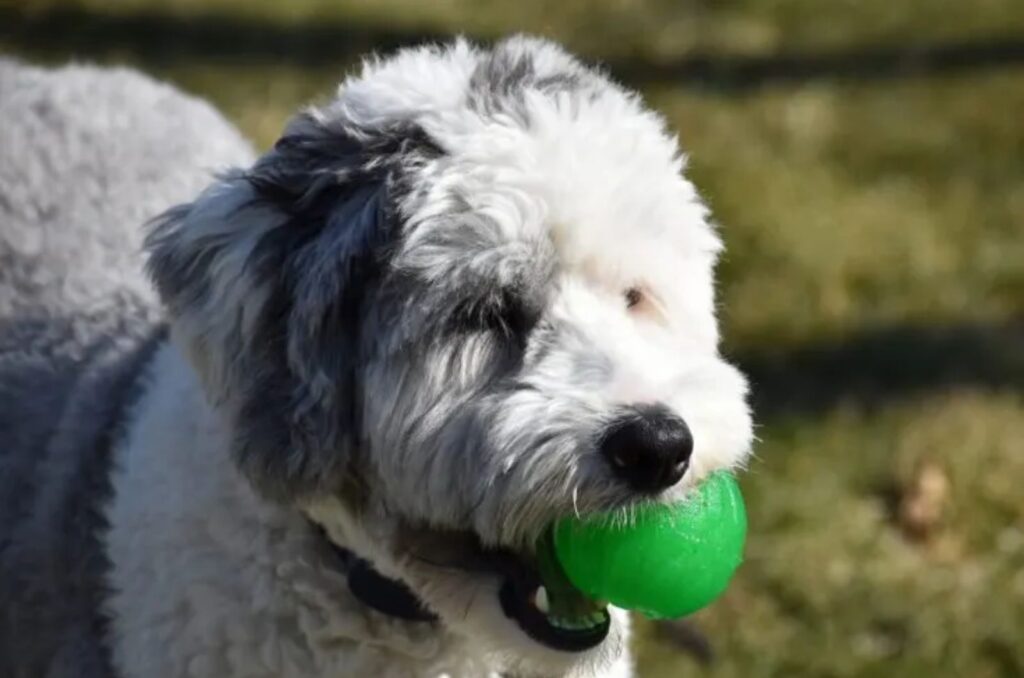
x,y
857,205
873,287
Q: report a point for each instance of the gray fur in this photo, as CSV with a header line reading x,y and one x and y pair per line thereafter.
x,y
325,201
86,156
498,84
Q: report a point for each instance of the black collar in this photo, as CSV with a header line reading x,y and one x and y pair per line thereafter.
x,y
387,596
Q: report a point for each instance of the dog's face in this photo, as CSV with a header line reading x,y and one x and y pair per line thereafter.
x,y
471,296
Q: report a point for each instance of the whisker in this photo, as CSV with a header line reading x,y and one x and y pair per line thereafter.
x,y
472,599
443,566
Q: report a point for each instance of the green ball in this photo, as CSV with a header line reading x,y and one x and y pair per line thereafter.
x,y
668,561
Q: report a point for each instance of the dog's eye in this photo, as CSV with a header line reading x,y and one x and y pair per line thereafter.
x,y
633,297
504,313
513,316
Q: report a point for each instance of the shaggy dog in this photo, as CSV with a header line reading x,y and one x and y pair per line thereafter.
x,y
470,295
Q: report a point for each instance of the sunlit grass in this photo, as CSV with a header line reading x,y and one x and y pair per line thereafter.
x,y
847,206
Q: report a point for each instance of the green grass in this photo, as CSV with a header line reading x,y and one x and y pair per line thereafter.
x,y
874,284
847,206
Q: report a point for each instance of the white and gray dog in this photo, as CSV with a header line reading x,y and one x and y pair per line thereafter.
x,y
469,296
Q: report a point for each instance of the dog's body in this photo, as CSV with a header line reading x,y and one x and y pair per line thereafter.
x,y
419,326
86,156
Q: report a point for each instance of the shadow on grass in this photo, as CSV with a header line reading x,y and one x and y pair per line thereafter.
x,y
738,72
158,37
878,366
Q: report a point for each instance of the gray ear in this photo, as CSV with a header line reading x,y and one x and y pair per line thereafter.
x,y
265,275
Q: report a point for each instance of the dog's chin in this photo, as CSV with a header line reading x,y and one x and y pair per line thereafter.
x,y
520,613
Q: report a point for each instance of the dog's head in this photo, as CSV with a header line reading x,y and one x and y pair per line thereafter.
x,y
472,295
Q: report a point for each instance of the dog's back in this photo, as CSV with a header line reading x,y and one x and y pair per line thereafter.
x,y
86,156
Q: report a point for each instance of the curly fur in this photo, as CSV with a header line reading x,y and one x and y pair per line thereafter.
x,y
408,319
86,156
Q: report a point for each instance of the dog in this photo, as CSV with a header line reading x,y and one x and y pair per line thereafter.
x,y
470,295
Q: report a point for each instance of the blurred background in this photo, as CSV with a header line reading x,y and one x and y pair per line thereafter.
x,y
865,159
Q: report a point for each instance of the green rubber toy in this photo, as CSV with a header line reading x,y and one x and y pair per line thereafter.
x,y
668,561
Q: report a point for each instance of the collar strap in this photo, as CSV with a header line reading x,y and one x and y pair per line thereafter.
x,y
387,596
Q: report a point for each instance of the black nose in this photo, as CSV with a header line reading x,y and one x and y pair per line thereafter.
x,y
648,447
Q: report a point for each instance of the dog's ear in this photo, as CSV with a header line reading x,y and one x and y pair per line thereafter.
x,y
265,275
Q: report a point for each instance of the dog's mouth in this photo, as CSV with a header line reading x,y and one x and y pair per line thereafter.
x,y
534,591
548,608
